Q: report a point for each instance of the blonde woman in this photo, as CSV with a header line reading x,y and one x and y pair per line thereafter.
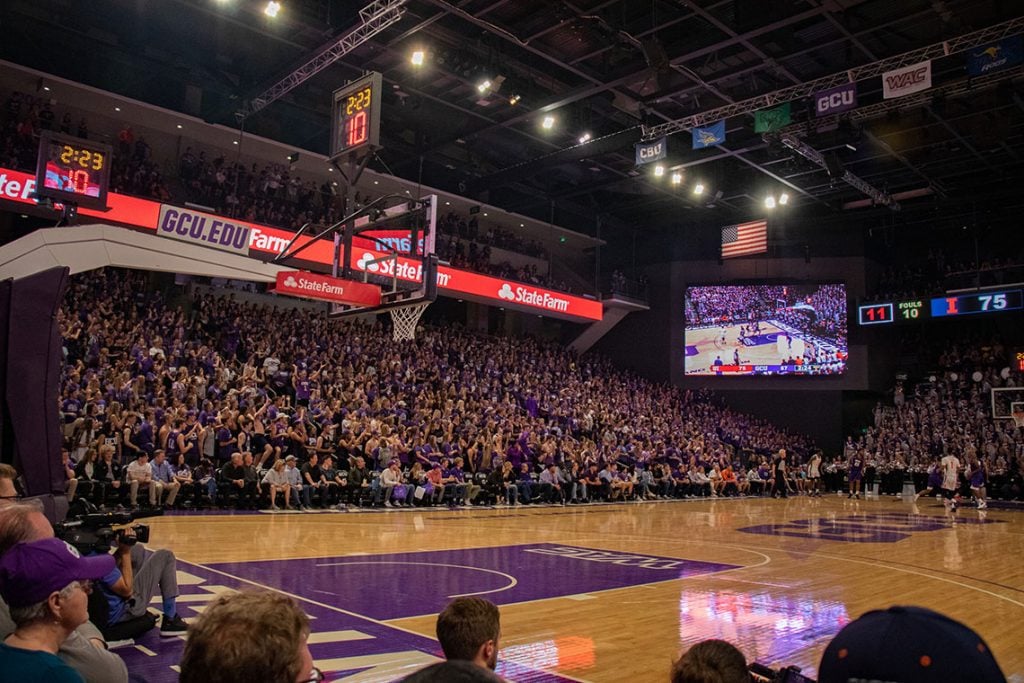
x,y
277,480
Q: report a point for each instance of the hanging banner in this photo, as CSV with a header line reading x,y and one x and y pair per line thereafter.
x,y
907,80
655,150
768,120
709,135
995,57
835,100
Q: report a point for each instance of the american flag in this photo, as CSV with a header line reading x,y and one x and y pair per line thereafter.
x,y
744,239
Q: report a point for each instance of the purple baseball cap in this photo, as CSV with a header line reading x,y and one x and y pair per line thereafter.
x,y
909,645
29,572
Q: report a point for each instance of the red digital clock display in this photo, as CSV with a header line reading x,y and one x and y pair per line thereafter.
x,y
356,115
73,170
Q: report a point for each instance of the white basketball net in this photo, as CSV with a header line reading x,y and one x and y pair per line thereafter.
x,y
404,320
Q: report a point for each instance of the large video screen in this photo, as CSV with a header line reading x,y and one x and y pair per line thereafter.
x,y
760,329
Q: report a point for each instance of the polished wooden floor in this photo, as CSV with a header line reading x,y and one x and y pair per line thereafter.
x,y
802,568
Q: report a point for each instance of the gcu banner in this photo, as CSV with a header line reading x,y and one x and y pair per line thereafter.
x,y
906,81
203,229
655,150
835,100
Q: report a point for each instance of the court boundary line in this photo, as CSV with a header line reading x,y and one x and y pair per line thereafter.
x,y
341,610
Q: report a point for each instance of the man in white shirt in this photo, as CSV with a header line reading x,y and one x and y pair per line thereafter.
x,y
294,477
140,475
389,479
950,466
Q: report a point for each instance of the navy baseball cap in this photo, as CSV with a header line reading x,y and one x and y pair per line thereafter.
x,y
908,645
29,572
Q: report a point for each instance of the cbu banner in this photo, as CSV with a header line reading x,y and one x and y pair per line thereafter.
x,y
655,150
835,100
710,135
995,57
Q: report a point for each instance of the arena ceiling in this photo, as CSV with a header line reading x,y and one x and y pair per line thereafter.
x,y
602,67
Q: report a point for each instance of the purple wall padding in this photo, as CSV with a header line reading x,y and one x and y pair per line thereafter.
x,y
32,379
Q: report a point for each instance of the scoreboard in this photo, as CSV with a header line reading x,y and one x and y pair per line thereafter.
x,y
913,310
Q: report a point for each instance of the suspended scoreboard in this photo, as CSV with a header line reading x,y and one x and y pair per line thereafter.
x,y
914,310
355,121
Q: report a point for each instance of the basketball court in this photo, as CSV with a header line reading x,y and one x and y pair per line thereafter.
x,y
770,347
604,592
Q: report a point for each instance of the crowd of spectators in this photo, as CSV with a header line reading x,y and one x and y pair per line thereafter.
x,y
222,381
938,271
948,411
270,194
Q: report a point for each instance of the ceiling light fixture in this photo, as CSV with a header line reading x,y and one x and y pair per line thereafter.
x,y
514,100
548,123
783,199
677,178
769,202
484,85
272,8
659,171
418,56
585,138
698,189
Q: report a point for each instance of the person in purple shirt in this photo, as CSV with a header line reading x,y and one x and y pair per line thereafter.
x,y
454,482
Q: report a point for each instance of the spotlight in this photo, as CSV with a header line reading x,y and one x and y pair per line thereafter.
x,y
272,8
548,123
585,138
698,189
417,58
783,199
514,100
484,85
677,178
769,202
659,171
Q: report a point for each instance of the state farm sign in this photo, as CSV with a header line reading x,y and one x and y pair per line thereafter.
x,y
907,80
326,288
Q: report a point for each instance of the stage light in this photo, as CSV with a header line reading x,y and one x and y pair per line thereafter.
x,y
783,199
514,100
677,178
484,85
272,8
698,189
585,138
769,202
659,171
417,58
548,123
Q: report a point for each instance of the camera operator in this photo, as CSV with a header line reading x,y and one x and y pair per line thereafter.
x,y
136,579
84,650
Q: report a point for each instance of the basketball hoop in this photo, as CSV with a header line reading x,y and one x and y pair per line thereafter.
x,y
1017,413
404,320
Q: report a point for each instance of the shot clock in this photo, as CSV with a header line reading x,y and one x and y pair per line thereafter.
x,y
73,170
355,123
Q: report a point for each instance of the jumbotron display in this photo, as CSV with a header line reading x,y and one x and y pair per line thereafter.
x,y
792,329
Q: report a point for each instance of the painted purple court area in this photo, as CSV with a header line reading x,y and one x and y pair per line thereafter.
x,y
424,582
691,350
343,645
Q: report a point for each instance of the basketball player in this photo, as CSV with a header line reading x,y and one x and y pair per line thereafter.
x,y
856,474
978,477
934,479
950,471
814,475
735,356
781,485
